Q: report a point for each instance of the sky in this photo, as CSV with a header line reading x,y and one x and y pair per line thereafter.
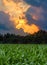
x,y
23,17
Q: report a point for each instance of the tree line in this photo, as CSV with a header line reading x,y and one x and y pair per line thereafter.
x,y
39,37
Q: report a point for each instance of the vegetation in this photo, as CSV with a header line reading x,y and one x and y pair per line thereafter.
x,y
23,54
39,37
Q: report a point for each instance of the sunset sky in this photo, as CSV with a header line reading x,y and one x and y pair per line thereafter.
x,y
23,16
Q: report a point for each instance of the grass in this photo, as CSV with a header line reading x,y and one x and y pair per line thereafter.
x,y
21,54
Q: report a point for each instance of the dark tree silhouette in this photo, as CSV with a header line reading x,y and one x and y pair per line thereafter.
x,y
39,37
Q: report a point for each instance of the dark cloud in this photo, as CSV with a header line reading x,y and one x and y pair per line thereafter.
x,y
37,3
33,2
6,26
44,4
4,21
42,17
3,27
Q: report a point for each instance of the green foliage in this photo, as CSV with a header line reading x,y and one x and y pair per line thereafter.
x,y
21,54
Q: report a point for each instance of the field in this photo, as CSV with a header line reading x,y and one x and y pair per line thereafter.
x,y
21,54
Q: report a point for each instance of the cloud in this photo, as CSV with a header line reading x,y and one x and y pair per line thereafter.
x,y
4,20
6,26
38,3
35,14
3,27
33,2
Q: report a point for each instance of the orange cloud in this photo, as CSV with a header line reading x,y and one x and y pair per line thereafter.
x,y
35,17
17,16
